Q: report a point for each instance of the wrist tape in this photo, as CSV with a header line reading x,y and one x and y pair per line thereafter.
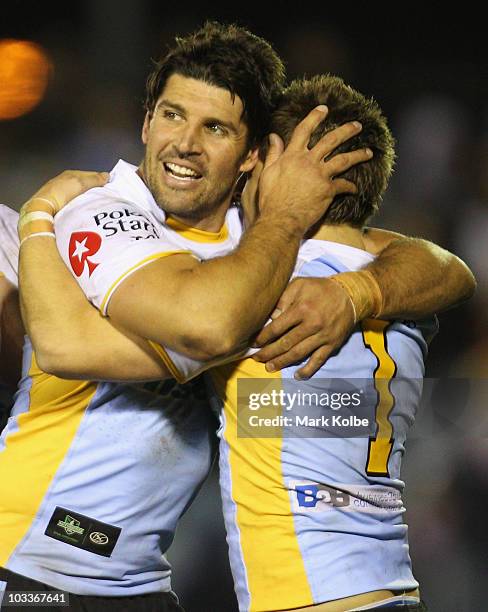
x,y
363,291
35,223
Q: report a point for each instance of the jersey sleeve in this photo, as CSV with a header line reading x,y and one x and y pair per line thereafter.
x,y
9,243
184,368
104,240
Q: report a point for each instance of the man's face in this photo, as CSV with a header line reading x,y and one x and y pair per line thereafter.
x,y
195,149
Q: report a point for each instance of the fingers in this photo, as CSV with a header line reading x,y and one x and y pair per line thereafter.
x,y
68,185
282,318
330,141
79,181
303,131
281,346
316,361
343,186
91,179
276,328
275,149
343,161
296,354
289,295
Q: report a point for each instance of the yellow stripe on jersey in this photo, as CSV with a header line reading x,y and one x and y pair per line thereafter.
x,y
379,449
168,362
33,454
140,264
197,235
274,565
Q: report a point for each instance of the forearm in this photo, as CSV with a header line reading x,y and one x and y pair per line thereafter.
x,y
208,309
247,284
418,278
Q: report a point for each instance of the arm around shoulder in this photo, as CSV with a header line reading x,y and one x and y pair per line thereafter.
x,y
418,278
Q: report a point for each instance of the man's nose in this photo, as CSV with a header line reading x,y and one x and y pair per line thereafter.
x,y
188,141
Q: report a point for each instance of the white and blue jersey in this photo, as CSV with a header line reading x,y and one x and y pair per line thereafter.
x,y
9,255
94,476
9,243
312,514
312,507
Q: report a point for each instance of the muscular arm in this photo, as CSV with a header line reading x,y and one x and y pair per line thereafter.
x,y
11,334
70,337
417,279
89,348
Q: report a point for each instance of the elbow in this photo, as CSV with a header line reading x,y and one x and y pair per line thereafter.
x,y
470,284
466,281
52,359
48,361
211,341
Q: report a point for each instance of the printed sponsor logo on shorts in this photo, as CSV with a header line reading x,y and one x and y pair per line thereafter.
x,y
315,497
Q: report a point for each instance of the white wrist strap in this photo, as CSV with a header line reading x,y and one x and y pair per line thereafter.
x,y
52,234
37,215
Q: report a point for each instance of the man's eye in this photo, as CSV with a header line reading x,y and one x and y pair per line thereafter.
x,y
216,128
171,115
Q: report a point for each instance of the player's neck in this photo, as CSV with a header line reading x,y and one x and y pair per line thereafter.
x,y
343,233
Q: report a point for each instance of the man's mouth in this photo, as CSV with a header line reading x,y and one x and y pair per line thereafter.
x,y
181,173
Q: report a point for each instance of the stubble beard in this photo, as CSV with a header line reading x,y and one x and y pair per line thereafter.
x,y
186,208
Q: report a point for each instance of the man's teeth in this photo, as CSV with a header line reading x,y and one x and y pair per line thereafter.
x,y
181,171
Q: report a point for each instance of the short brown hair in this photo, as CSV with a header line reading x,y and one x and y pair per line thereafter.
x,y
345,104
230,57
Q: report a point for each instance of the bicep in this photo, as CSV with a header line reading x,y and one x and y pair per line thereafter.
x,y
152,302
376,239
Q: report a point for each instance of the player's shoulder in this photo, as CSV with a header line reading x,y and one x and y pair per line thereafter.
x,y
8,221
9,243
90,206
124,204
8,214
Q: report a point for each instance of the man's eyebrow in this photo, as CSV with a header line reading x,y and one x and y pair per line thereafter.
x,y
170,104
165,103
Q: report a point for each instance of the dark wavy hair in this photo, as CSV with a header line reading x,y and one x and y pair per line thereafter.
x,y
345,104
230,57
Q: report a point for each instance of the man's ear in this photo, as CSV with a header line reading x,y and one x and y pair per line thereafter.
x,y
145,128
250,160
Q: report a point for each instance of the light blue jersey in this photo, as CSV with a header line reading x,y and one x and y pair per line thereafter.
x,y
94,476
312,513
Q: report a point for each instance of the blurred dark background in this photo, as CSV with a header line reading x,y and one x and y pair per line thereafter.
x,y
429,72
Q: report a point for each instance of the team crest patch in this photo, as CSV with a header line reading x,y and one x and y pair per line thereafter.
x,y
82,531
82,246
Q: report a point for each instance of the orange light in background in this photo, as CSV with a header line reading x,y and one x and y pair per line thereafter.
x,y
24,74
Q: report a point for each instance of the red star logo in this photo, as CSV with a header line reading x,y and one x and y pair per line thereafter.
x,y
83,245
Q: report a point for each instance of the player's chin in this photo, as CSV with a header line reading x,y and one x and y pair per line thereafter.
x,y
178,203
